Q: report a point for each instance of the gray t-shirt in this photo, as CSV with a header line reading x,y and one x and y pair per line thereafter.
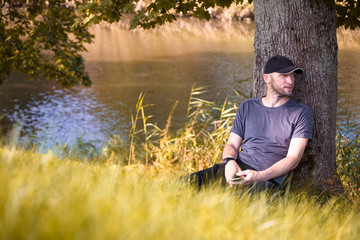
x,y
267,131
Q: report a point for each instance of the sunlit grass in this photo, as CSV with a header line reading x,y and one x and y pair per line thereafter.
x,y
43,197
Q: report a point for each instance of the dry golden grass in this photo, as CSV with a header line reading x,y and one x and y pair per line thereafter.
x,y
43,197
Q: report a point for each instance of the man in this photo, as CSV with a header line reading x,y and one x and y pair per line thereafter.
x,y
272,132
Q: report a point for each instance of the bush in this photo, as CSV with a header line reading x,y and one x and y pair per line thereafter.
x,y
348,156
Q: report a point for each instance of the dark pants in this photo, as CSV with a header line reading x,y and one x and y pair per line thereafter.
x,y
216,173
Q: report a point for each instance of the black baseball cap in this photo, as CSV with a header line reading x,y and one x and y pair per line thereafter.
x,y
281,65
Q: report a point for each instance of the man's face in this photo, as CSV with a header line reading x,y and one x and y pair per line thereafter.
x,y
282,84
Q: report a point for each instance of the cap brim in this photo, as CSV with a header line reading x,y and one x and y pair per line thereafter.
x,y
291,69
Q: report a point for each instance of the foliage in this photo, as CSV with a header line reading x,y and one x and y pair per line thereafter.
x,y
106,10
162,11
39,38
155,13
348,13
159,12
80,150
43,197
348,155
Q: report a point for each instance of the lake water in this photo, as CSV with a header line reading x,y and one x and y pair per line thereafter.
x,y
164,64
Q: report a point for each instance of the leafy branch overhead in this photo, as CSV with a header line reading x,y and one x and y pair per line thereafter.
x,y
40,38
158,12
155,13
348,13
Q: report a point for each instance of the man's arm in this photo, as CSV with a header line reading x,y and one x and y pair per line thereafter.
x,y
285,165
232,146
231,150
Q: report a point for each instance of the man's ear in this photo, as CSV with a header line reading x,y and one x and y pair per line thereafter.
x,y
267,78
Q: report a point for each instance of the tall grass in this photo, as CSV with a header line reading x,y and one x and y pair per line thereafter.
x,y
43,197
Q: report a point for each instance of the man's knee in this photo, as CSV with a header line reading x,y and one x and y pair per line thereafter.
x,y
209,175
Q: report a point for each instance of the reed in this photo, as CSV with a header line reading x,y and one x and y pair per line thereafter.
x,y
348,155
198,144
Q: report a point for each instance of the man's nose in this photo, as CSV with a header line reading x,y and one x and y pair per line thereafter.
x,y
290,79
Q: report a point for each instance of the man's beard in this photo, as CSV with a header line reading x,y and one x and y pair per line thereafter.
x,y
280,92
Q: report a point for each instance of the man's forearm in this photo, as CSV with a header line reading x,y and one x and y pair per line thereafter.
x,y
278,169
285,165
230,151
231,148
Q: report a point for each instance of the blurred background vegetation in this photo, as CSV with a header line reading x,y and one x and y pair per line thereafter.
x,y
127,186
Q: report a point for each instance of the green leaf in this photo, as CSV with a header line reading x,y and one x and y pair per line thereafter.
x,y
105,2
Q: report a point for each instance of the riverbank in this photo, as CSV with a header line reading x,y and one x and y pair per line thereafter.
x,y
195,146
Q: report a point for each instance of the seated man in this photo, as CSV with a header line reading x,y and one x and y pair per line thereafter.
x,y
272,132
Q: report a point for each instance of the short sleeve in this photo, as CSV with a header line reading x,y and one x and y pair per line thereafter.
x,y
304,125
239,123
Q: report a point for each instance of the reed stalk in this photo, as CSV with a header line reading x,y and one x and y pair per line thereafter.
x,y
133,132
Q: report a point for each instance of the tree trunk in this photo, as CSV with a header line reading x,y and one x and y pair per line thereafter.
x,y
305,32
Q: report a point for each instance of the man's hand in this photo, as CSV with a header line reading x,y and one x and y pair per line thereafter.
x,y
231,149
295,152
249,177
231,168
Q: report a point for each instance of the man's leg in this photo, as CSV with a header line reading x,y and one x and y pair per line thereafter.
x,y
217,173
269,186
208,175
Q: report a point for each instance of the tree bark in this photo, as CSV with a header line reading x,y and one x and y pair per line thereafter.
x,y
305,32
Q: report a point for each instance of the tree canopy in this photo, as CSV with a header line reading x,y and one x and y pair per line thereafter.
x,y
159,12
46,38
40,37
348,13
